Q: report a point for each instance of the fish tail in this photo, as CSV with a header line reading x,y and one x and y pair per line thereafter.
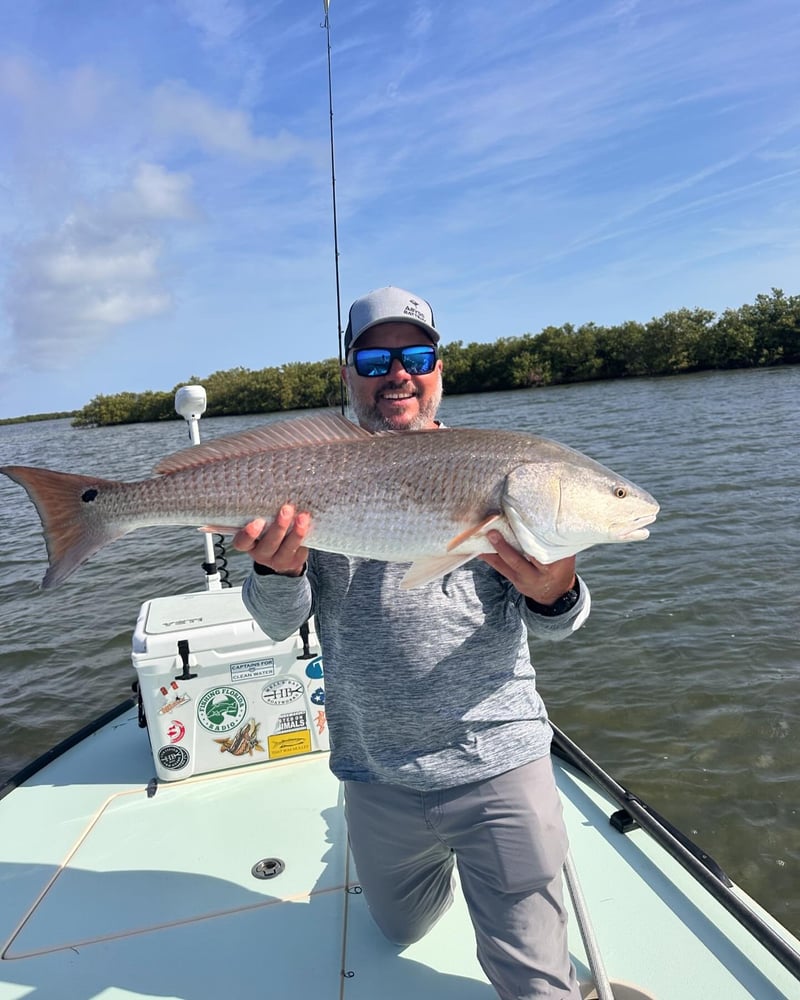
x,y
73,529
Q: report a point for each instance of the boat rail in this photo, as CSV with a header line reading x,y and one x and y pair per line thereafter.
x,y
688,854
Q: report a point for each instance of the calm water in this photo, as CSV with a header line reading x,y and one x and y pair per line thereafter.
x,y
685,682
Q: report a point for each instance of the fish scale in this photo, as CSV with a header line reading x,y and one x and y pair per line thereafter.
x,y
421,497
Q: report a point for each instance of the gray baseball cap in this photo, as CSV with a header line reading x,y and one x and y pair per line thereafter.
x,y
388,305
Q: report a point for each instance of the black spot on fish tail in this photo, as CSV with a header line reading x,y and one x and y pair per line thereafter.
x,y
74,526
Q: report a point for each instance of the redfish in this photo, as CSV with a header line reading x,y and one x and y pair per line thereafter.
x,y
422,497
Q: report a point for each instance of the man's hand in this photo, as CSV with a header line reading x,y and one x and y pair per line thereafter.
x,y
278,545
543,583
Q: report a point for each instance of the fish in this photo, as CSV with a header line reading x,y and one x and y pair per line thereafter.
x,y
424,497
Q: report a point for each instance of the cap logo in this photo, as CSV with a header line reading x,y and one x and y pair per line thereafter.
x,y
412,309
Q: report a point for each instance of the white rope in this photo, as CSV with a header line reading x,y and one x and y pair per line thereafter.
x,y
598,969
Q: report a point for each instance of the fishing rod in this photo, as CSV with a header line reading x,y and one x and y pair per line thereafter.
x,y
326,24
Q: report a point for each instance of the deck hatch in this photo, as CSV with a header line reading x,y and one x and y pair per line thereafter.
x,y
162,855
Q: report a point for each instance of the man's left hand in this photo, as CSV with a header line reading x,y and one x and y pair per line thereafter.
x,y
541,582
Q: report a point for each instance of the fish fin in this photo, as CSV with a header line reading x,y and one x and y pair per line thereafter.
x,y
221,529
544,549
71,533
432,567
322,428
476,529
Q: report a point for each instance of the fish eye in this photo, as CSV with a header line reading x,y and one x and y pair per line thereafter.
x,y
620,492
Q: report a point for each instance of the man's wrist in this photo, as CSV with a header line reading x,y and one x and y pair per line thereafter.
x,y
261,570
560,606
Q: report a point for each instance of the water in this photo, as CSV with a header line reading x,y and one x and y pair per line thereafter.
x,y
684,683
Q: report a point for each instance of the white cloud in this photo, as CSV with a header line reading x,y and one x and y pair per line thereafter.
x,y
217,20
98,271
420,20
66,102
182,113
158,194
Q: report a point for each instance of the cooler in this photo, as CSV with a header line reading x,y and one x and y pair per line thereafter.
x,y
217,692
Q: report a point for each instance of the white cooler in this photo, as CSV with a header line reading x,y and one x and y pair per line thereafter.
x,y
217,692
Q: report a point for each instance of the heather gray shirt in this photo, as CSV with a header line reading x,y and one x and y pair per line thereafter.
x,y
427,688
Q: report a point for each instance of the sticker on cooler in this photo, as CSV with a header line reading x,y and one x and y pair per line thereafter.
x,y
289,744
221,709
246,740
176,731
282,691
315,670
173,698
252,669
173,758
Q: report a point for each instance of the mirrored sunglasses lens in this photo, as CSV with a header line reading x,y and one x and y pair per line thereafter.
x,y
418,360
372,361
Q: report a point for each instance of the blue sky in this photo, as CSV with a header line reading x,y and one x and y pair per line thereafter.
x,y
165,196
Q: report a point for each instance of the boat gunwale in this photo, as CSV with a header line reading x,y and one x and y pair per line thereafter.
x,y
705,871
28,771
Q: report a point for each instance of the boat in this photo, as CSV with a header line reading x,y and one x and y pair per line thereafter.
x,y
191,843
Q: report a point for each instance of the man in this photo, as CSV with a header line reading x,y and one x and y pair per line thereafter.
x,y
436,727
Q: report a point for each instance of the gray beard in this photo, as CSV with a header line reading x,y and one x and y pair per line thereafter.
x,y
369,416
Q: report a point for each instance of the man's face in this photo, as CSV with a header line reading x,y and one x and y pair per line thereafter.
x,y
396,401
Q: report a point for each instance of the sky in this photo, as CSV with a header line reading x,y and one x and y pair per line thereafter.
x,y
166,203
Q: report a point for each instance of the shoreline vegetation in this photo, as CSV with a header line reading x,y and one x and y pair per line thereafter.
x,y
33,417
762,334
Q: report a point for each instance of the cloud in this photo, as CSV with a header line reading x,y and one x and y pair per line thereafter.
x,y
157,194
98,271
179,112
89,255
217,20
63,106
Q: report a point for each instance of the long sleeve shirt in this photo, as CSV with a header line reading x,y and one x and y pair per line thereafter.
x,y
426,688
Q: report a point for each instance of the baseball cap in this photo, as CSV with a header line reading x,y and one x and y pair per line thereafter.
x,y
388,305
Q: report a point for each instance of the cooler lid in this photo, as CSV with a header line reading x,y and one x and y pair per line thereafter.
x,y
206,611
200,610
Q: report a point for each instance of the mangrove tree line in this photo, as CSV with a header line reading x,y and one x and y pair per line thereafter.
x,y
764,333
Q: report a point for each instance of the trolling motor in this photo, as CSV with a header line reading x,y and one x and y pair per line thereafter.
x,y
190,403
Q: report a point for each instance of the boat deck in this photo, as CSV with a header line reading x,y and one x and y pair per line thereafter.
x,y
115,886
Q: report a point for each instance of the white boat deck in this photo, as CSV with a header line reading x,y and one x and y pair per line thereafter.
x,y
110,891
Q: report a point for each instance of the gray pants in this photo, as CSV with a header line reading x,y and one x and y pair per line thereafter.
x,y
507,837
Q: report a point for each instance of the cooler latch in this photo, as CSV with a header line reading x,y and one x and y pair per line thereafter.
x,y
183,652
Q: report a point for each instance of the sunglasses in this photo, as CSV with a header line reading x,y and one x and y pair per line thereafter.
x,y
370,362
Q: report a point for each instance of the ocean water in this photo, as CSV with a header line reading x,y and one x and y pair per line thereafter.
x,y
684,683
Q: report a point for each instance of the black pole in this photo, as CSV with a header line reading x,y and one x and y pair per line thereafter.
x,y
327,26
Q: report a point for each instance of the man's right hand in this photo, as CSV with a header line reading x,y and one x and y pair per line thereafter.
x,y
278,545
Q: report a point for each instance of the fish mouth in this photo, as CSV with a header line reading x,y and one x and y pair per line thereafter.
x,y
635,530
